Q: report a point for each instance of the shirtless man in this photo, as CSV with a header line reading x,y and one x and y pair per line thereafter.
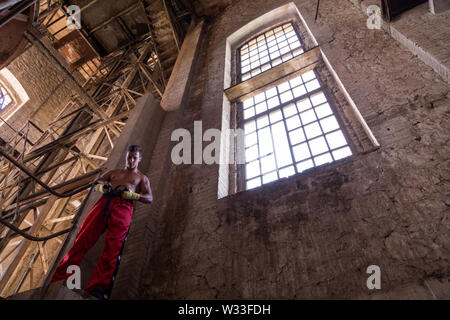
x,y
112,213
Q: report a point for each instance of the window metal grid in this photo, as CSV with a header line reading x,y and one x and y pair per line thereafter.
x,y
290,128
268,50
5,99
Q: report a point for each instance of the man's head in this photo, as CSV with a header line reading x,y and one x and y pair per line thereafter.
x,y
133,157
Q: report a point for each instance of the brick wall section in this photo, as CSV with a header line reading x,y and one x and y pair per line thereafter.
x,y
49,91
312,235
424,34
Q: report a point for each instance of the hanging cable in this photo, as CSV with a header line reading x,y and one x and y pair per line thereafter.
x,y
57,234
46,187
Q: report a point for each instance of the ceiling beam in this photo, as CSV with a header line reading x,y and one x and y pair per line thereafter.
x,y
126,29
170,17
15,10
92,41
188,4
121,13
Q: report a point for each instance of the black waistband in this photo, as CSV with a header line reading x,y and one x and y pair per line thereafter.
x,y
113,193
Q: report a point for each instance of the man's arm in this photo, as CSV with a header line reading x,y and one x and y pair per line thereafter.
x,y
103,184
105,179
146,191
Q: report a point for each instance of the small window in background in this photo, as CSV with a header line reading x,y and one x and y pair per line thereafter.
x,y
5,99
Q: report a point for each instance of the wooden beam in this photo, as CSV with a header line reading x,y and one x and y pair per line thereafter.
x,y
29,205
151,79
172,24
73,136
93,156
49,222
43,257
67,186
188,4
301,63
121,13
66,39
83,60
12,272
126,29
88,5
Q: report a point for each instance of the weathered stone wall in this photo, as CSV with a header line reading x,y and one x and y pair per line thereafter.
x,y
423,33
312,235
48,88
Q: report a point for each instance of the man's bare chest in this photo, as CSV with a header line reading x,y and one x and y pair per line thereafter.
x,y
125,178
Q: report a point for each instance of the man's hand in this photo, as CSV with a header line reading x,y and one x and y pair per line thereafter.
x,y
103,183
102,188
130,195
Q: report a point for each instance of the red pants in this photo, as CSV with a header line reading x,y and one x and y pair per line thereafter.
x,y
116,224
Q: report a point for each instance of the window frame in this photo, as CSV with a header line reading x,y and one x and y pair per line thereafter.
x,y
6,92
237,58
240,123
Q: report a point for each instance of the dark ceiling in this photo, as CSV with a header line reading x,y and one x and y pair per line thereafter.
x,y
110,25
